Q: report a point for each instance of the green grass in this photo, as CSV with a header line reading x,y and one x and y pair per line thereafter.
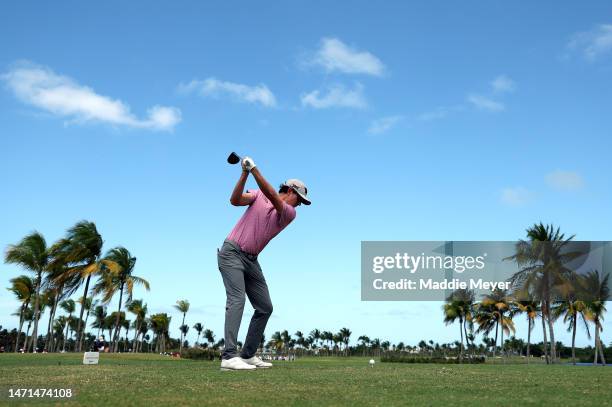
x,y
130,380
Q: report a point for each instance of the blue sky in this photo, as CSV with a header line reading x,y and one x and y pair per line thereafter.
x,y
431,121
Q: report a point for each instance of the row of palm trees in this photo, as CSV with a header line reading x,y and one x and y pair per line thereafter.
x,y
334,343
76,260
60,270
544,287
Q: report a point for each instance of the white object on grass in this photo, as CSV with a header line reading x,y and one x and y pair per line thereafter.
x,y
91,358
372,362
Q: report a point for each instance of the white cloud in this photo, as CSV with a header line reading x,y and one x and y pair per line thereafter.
x,y
259,94
484,103
336,96
594,43
383,124
62,96
503,84
517,196
564,180
334,55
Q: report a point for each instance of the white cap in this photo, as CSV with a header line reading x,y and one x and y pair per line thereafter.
x,y
299,187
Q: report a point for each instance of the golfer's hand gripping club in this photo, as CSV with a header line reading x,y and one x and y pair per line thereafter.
x,y
248,164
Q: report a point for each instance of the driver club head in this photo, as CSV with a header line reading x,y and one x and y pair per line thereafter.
x,y
233,158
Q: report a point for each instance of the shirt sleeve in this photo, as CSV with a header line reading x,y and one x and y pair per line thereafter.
x,y
254,193
287,215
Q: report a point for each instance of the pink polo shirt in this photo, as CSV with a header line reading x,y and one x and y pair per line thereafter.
x,y
260,223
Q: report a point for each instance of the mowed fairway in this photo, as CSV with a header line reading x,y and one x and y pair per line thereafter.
x,y
157,380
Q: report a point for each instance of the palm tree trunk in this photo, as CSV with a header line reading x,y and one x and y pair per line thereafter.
x,y
553,345
598,344
66,334
495,344
181,344
84,328
49,343
461,332
82,310
27,336
48,337
467,341
34,341
23,308
601,351
501,342
575,322
136,330
529,323
116,335
544,339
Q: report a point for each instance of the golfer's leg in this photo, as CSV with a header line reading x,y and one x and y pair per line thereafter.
x,y
257,291
232,271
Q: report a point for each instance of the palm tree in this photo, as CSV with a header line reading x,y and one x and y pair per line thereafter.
x,y
491,314
543,274
345,335
459,306
183,307
118,279
337,339
160,324
198,327
32,254
81,250
184,329
375,345
62,283
144,328
88,303
277,341
48,298
125,324
109,323
532,310
365,341
286,338
300,339
328,337
139,309
315,334
571,309
23,288
58,328
69,307
210,337
599,290
28,316
100,316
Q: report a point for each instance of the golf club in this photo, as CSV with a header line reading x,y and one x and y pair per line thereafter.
x,y
233,158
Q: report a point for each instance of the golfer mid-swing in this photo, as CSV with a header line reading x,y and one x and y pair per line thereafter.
x,y
269,212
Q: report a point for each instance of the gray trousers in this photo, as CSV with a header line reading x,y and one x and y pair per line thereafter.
x,y
242,274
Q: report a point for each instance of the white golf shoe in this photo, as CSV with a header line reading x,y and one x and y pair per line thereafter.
x,y
257,362
235,363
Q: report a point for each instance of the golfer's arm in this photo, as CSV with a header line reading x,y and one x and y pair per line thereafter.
x,y
268,190
239,198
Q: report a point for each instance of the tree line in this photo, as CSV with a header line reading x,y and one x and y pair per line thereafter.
x,y
75,263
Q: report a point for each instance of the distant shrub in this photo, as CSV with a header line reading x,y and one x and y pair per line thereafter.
x,y
394,358
200,354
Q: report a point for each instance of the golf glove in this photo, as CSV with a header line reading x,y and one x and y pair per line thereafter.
x,y
248,164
